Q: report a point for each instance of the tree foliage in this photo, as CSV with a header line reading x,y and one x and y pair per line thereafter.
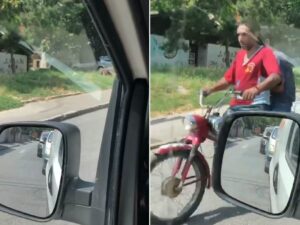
x,y
47,24
200,21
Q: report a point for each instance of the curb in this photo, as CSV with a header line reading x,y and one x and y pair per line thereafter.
x,y
73,114
165,119
50,98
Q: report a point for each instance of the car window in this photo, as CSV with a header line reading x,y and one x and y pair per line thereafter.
x,y
44,136
267,132
50,137
292,151
50,69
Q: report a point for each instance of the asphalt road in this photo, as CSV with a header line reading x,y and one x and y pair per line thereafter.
x,y
243,172
22,185
29,182
215,211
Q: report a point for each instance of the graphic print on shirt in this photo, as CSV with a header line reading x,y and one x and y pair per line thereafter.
x,y
250,67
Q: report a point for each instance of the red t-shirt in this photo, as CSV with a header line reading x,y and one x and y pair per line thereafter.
x,y
262,63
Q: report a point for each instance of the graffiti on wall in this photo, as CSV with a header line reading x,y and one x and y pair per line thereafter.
x,y
160,57
5,63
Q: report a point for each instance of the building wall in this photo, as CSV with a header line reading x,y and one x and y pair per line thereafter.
x,y
202,56
211,55
5,63
216,55
159,58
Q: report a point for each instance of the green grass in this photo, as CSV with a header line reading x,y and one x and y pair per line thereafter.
x,y
297,76
103,82
177,90
7,102
15,89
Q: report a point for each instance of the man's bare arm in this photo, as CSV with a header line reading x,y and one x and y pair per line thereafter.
x,y
269,83
272,81
222,84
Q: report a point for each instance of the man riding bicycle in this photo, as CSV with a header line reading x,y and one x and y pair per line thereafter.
x,y
254,71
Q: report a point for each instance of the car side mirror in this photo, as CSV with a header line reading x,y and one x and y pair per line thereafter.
x,y
33,184
266,182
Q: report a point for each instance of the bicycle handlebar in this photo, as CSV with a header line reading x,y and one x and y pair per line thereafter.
x,y
203,94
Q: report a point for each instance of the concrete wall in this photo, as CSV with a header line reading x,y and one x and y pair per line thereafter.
x,y
5,63
216,55
202,56
211,55
159,58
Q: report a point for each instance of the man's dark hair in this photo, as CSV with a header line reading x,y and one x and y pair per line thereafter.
x,y
253,26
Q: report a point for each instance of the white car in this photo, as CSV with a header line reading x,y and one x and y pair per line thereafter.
x,y
54,169
41,144
272,141
270,147
47,150
48,144
283,165
264,139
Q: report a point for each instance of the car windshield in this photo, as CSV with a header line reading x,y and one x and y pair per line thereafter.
x,y
274,133
268,132
50,137
44,136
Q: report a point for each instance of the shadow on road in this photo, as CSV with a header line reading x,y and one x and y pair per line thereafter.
x,y
4,149
215,216
8,148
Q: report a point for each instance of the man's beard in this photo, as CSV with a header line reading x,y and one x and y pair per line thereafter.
x,y
246,47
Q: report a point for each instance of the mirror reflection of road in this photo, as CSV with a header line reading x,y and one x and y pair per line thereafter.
x,y
243,172
215,211
22,185
91,126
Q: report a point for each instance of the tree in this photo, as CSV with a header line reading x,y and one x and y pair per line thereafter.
x,y
46,24
199,21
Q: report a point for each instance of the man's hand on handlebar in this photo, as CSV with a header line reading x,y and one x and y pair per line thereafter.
x,y
250,93
206,92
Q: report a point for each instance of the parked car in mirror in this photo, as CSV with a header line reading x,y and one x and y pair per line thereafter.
x,y
53,169
283,165
41,144
47,150
263,142
270,148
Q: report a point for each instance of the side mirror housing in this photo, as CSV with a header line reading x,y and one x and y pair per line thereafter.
x,y
265,182
43,181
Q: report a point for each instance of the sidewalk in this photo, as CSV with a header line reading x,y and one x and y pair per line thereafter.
x,y
59,108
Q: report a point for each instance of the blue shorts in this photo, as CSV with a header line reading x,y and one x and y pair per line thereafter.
x,y
281,107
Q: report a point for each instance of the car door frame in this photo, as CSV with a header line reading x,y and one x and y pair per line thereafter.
x,y
112,198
